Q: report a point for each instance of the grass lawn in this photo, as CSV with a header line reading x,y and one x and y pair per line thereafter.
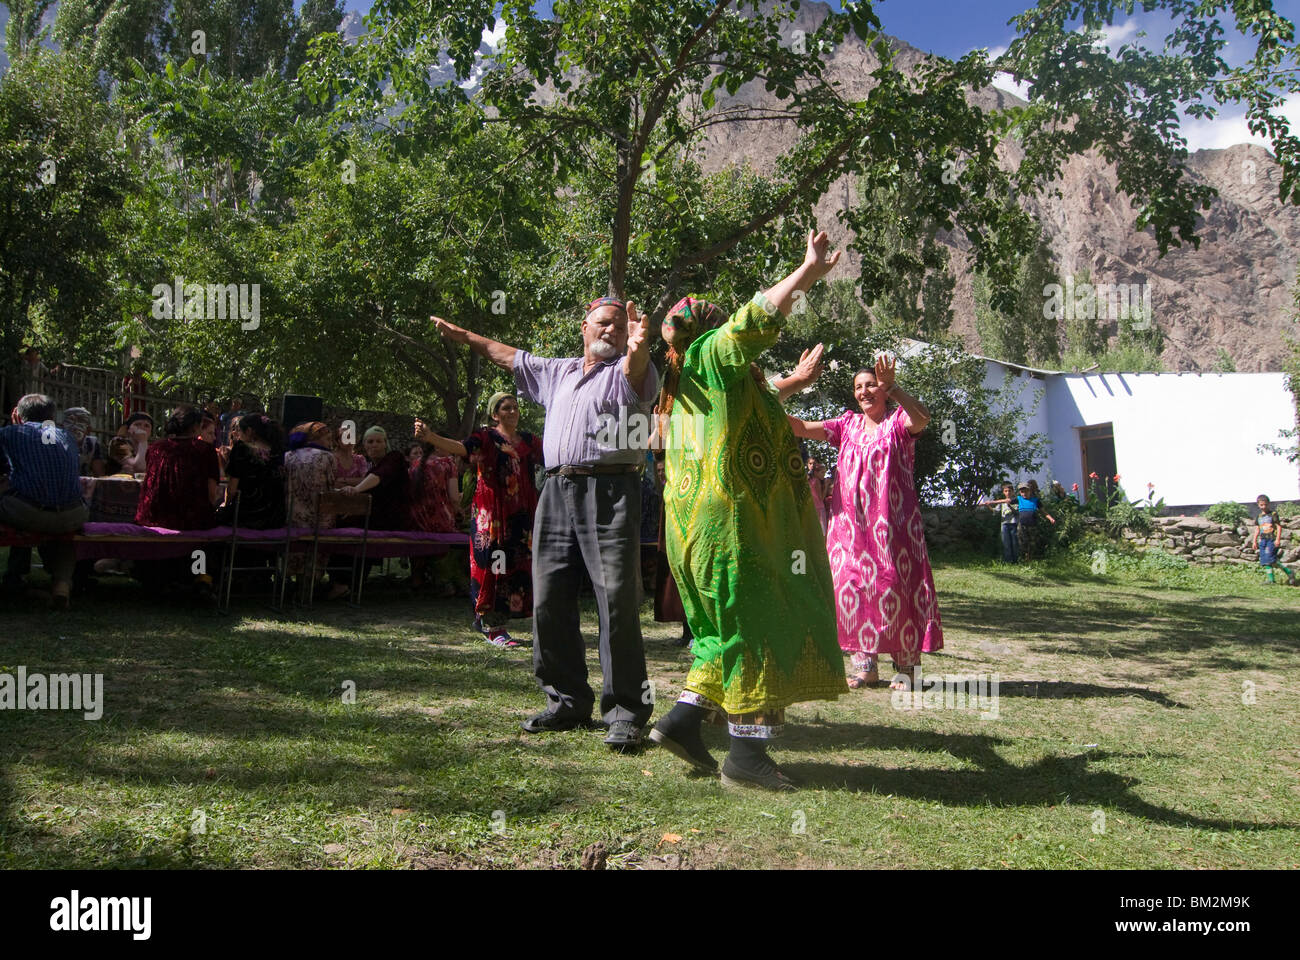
x,y
1146,718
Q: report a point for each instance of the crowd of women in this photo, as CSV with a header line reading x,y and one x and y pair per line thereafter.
x,y
193,476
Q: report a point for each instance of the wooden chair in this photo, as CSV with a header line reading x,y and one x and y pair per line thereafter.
x,y
229,569
329,501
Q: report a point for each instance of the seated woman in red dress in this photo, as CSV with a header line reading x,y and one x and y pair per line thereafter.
x,y
181,474
179,493
435,499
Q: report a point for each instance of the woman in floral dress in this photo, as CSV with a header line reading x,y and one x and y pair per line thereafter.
x,y
505,499
309,470
884,591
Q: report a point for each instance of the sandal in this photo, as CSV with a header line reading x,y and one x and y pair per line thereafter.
x,y
864,678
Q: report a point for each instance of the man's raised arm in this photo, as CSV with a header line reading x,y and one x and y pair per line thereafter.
x,y
499,353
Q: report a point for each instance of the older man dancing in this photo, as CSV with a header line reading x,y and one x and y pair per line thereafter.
x,y
588,516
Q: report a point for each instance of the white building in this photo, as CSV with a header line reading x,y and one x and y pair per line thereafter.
x,y
1195,436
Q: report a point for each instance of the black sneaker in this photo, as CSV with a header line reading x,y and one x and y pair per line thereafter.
x,y
772,778
623,735
549,722
697,756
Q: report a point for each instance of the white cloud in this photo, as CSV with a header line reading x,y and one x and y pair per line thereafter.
x,y
1114,37
1007,83
1227,130
1004,81
493,37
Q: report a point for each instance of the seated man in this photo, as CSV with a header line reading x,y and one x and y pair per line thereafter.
x,y
44,495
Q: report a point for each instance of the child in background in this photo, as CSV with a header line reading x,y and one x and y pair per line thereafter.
x,y
1268,538
120,450
1029,504
1009,510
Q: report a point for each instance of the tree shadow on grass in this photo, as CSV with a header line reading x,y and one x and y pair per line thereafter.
x,y
1069,690
1182,626
1046,782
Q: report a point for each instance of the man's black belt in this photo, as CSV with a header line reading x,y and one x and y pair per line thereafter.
x,y
598,470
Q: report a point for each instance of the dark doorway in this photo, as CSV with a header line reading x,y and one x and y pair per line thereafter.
x,y
1097,453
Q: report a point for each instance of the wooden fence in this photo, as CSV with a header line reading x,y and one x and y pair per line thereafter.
x,y
104,394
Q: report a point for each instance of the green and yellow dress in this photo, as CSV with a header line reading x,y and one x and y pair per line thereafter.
x,y
744,542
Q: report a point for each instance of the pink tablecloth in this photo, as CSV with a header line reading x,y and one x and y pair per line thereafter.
x,y
128,540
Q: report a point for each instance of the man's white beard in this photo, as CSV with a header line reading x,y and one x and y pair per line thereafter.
x,y
603,350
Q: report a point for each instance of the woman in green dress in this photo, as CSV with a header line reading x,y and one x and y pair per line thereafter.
x,y
744,542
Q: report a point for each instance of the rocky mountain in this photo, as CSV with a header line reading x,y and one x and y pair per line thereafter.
x,y
1234,293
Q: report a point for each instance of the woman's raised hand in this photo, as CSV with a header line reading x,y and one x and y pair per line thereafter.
x,y
815,258
809,367
885,367
450,331
422,431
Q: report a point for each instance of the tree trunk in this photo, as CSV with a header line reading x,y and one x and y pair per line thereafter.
x,y
473,367
628,170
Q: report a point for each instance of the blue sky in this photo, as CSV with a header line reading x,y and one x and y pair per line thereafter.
x,y
947,27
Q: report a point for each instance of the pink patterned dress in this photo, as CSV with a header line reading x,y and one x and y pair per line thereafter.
x,y
884,591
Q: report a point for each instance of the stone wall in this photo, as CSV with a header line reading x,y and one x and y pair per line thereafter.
x,y
956,529
1204,541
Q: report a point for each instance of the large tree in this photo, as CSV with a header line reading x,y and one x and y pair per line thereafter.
x,y
63,180
612,87
233,38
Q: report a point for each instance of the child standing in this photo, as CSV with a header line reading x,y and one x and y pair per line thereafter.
x,y
1029,505
1268,538
1008,509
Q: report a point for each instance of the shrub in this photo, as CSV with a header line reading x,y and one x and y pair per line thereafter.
x,y
1227,512
1069,526
1121,515
1286,510
1157,559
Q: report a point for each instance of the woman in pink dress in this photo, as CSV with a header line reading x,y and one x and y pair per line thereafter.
x,y
884,591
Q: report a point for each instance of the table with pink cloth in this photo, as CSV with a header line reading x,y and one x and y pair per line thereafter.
x,y
129,540
111,499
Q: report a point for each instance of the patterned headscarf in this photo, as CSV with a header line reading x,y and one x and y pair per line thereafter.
x,y
692,316
497,399
605,302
